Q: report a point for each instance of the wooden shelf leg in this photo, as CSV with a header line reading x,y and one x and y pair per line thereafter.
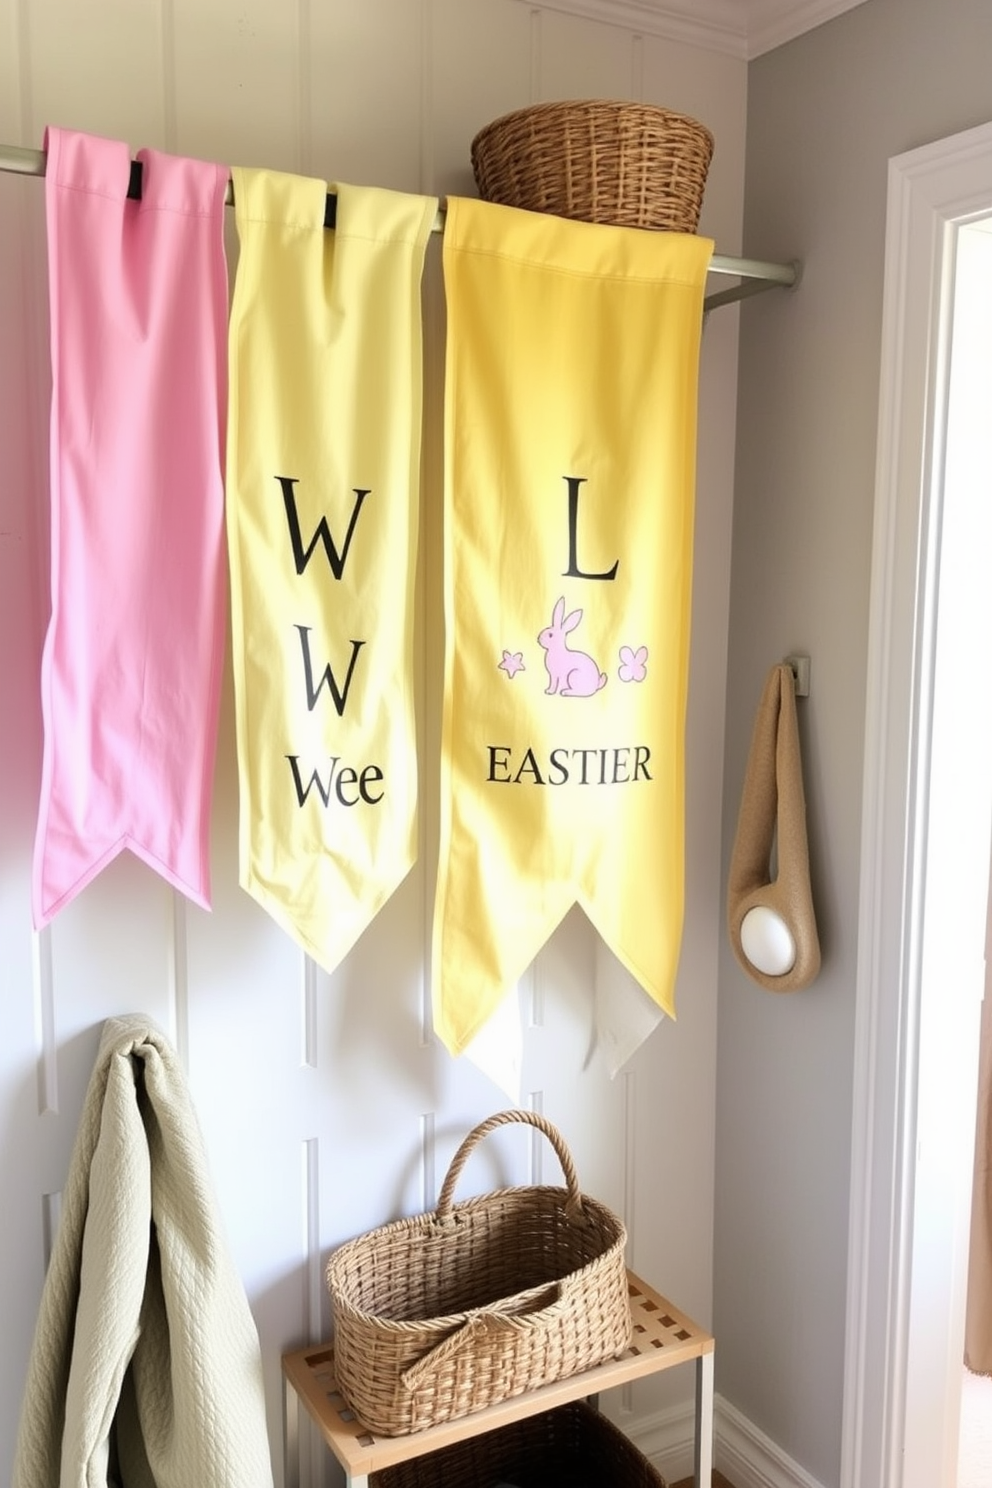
x,y
704,1421
291,1436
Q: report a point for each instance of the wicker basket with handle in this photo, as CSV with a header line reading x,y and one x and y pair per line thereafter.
x,y
631,164
442,1314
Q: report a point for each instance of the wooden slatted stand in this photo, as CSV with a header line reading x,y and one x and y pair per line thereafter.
x,y
662,1337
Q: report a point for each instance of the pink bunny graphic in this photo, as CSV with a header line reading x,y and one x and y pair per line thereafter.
x,y
571,673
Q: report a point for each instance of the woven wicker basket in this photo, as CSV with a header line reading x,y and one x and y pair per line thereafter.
x,y
571,1447
632,164
442,1314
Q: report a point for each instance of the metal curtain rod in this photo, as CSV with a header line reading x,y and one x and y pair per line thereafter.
x,y
757,274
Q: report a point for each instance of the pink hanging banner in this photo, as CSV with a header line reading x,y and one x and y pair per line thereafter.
x,y
131,670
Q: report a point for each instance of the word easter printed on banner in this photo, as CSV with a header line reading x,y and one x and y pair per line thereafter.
x,y
344,783
571,673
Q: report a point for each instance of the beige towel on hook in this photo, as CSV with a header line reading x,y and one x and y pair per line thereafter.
x,y
773,817
146,1368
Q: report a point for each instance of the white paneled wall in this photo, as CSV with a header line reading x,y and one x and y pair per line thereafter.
x,y
326,1104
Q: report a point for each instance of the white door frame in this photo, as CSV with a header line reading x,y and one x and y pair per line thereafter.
x,y
931,193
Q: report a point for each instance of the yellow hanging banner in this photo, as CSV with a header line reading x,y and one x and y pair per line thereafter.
x,y
572,372
323,471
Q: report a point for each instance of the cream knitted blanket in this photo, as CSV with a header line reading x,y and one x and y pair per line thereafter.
x,y
145,1370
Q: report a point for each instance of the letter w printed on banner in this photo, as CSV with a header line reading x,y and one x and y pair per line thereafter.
x,y
322,502
571,387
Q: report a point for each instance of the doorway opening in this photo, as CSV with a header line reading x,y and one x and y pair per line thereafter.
x,y
956,878
926,827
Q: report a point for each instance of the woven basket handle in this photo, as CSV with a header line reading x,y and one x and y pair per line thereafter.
x,y
573,1204
497,1318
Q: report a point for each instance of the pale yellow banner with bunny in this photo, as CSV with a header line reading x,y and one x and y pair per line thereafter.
x,y
571,398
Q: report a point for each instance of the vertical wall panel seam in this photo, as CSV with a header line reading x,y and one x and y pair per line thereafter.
x,y
179,978
535,983
629,1154
538,1139
535,56
44,1003
311,1238
167,42
427,170
25,92
637,68
304,117
51,1213
428,1163
308,1012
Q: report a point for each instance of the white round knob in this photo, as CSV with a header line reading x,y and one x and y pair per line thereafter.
x,y
767,942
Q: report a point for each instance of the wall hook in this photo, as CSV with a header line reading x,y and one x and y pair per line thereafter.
x,y
800,670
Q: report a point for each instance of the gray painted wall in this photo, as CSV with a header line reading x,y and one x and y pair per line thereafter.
x,y
825,114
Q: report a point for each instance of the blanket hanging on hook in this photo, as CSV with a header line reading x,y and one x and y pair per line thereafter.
x,y
771,921
145,1367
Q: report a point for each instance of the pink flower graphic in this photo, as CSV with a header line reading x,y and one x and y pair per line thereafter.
x,y
512,663
633,664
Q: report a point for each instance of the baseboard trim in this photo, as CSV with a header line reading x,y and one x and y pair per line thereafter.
x,y
749,1458
742,1452
667,1439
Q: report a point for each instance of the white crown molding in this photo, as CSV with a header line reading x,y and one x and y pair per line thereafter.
x,y
739,28
714,25
771,23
